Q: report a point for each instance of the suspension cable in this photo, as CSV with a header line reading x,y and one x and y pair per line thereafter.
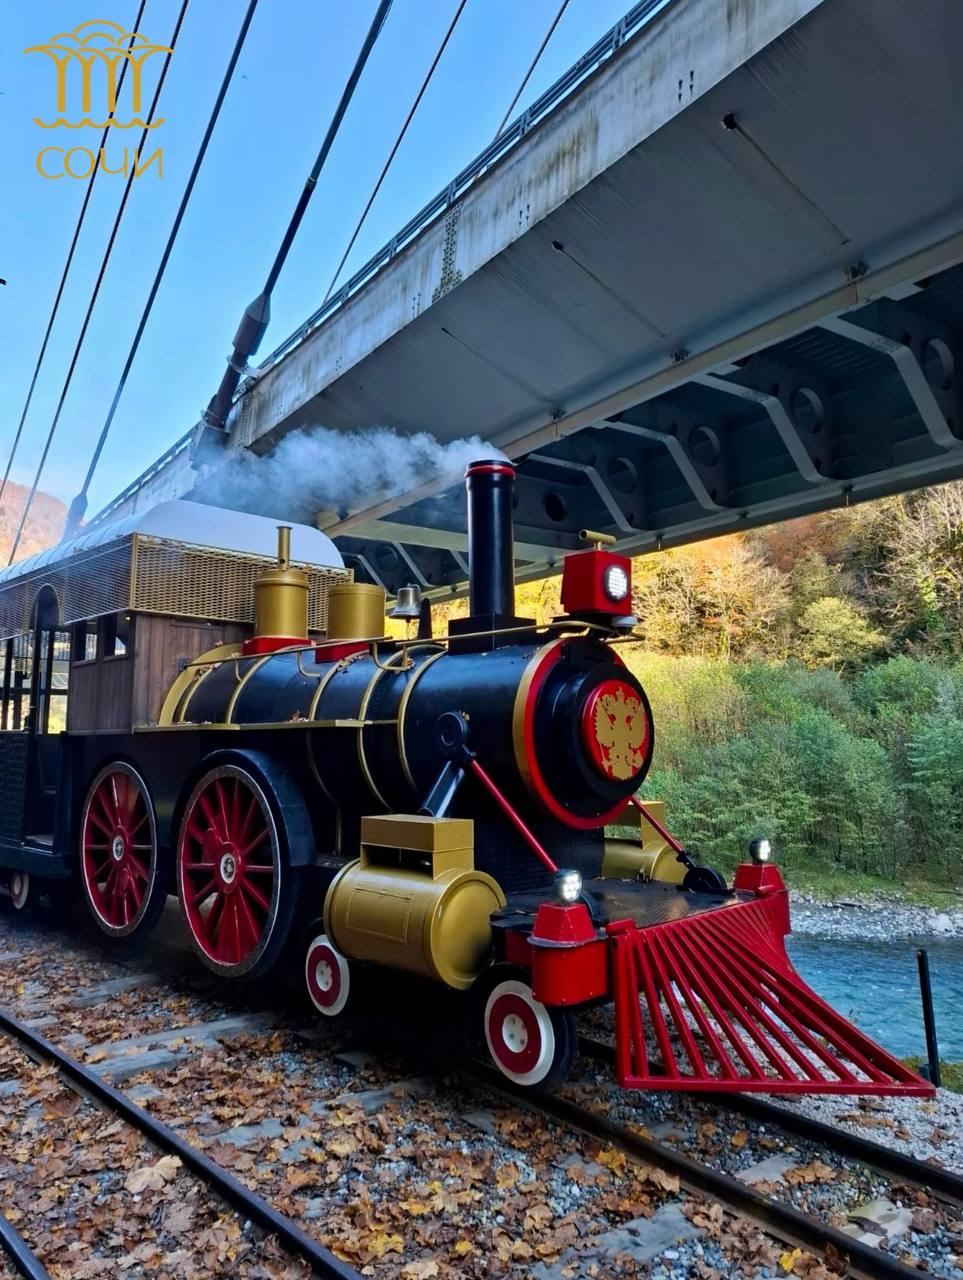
x,y
394,150
256,317
96,290
534,63
78,507
70,257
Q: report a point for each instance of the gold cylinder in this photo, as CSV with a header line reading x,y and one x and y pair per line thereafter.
x,y
436,927
281,597
356,611
284,546
647,857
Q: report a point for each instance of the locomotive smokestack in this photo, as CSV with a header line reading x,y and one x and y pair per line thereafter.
x,y
491,546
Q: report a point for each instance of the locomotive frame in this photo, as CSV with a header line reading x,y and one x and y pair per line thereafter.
x,y
240,732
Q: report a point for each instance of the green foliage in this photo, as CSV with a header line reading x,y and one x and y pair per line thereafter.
x,y
832,633
863,779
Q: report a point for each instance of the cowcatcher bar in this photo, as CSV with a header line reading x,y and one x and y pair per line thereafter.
x,y
712,1002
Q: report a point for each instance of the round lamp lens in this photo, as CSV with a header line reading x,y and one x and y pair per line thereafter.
x,y
616,582
760,849
568,886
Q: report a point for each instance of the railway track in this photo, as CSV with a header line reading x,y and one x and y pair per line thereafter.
x,y
228,1188
786,1223
888,1162
414,1109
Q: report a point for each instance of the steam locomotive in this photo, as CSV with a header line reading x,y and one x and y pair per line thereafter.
x,y
184,714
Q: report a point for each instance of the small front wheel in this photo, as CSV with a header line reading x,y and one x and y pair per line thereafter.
x,y
529,1042
20,894
327,976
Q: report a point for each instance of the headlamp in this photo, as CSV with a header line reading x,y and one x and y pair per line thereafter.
x,y
760,849
616,582
568,887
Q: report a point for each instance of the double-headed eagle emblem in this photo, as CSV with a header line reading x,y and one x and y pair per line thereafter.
x,y
621,728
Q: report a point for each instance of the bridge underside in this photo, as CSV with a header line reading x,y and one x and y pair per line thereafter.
x,y
720,285
854,407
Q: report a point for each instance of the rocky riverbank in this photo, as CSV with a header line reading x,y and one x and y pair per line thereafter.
x,y
881,920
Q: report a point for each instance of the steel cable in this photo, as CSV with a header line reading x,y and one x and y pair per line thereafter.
x,y
534,63
96,290
63,278
255,320
79,505
394,150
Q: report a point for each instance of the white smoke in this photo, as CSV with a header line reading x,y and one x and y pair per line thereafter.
x,y
319,469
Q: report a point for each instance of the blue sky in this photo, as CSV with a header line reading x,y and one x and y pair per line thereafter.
x,y
297,56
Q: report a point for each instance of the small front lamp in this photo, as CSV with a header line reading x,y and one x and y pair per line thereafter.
x,y
760,850
568,887
616,583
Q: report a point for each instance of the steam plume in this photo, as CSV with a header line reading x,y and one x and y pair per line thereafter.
x,y
318,469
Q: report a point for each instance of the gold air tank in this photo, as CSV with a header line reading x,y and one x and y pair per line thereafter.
x,y
414,900
646,856
281,597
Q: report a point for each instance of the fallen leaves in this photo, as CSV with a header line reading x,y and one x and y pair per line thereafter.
x,y
423,1270
816,1171
152,1177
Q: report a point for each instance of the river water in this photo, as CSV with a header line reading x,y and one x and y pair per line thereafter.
x,y
876,985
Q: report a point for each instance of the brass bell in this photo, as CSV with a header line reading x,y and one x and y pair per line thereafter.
x,y
408,603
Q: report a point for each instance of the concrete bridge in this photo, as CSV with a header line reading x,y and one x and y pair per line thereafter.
x,y
713,279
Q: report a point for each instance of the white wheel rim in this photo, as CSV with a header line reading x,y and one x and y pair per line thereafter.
x,y
19,889
519,1033
327,976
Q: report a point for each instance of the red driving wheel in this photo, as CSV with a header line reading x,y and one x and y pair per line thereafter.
x,y
123,881
233,883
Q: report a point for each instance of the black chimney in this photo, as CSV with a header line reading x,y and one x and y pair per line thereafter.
x,y
491,543
490,485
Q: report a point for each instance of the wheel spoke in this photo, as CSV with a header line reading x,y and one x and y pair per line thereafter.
x,y
135,892
99,822
253,844
255,895
98,871
259,868
235,928
245,917
204,803
198,895
236,808
101,797
136,826
116,798
215,919
222,808
252,808
138,866
194,832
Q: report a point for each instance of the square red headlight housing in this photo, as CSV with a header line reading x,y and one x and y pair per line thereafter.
x,y
597,581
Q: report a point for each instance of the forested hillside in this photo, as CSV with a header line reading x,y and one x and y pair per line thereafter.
x,y
807,681
45,524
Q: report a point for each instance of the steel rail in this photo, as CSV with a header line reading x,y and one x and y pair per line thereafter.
x,y
873,1155
884,1160
19,1252
782,1221
232,1191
